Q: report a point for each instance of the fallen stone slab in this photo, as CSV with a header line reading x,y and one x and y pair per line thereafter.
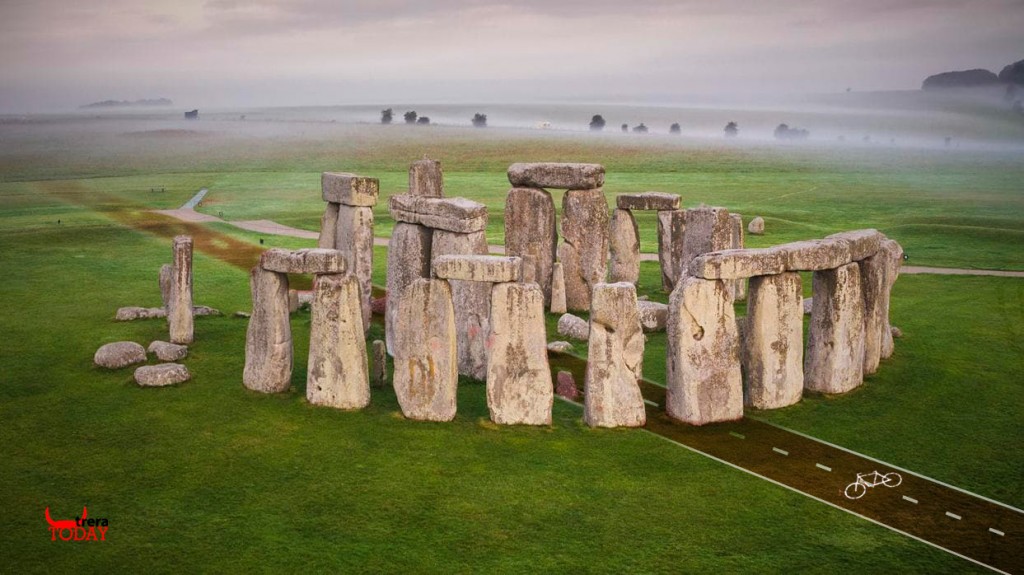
x,y
531,230
349,189
132,313
166,351
458,215
519,388
119,354
573,326
478,268
739,264
648,201
162,375
863,243
815,255
615,354
426,367
426,178
560,176
653,315
307,261
560,347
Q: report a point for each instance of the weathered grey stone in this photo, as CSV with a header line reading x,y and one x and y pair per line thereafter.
x,y
808,305
739,286
560,347
268,340
161,375
472,302
478,268
896,332
337,374
834,362
349,189
293,301
648,201
243,314
814,255
863,243
166,351
557,175
355,242
653,315
426,178
584,228
408,260
132,313
872,284
530,230
519,387
738,264
566,386
328,239
707,230
558,289
625,247
166,273
202,310
894,256
528,274
179,311
307,261
119,354
671,236
704,377
614,359
573,326
772,346
426,367
451,214
379,367
756,226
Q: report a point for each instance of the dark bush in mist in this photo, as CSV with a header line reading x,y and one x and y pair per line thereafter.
x,y
784,132
675,129
386,115
625,128
423,120
480,120
597,123
410,117
1013,74
960,79
732,130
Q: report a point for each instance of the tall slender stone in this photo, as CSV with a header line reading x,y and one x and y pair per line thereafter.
x,y
426,368
739,286
329,228
872,282
355,242
179,312
894,258
707,230
379,369
704,377
530,230
166,273
337,374
519,386
614,359
557,289
472,302
671,235
834,362
426,178
625,248
408,260
773,344
584,229
268,341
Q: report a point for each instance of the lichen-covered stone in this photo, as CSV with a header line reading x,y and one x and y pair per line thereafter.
x,y
426,367
268,340
648,201
615,354
451,214
560,347
355,242
408,260
834,362
814,255
872,282
585,229
772,345
530,230
166,351
119,354
519,387
671,237
337,374
472,302
555,175
478,268
624,239
426,178
328,239
863,243
573,326
558,289
161,375
707,230
349,189
756,226
179,310
738,263
306,261
894,258
653,315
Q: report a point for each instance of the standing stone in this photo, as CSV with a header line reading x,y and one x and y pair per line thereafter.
x,y
625,247
329,228
872,282
355,242
530,230
566,386
337,375
704,377
528,275
293,301
558,289
614,359
379,369
894,258
707,230
739,286
426,367
408,260
584,230
671,235
166,272
519,386
268,341
472,302
756,226
179,312
426,178
834,362
773,344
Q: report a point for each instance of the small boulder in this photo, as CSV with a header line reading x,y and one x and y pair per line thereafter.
x,y
756,226
808,305
560,347
379,305
161,375
566,386
243,314
166,351
573,326
896,332
132,313
119,354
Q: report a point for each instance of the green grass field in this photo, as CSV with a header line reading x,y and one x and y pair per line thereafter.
x,y
208,476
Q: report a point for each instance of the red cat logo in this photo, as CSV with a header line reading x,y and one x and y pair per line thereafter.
x,y
77,529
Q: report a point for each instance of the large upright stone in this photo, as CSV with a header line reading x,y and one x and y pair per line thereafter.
x,y
556,175
648,201
268,341
349,189
707,230
739,286
530,230
625,247
704,377
872,282
329,228
584,229
337,374
166,275
773,346
614,359
179,312
834,362
426,369
519,386
558,289
451,214
472,302
355,242
894,258
426,178
408,260
671,235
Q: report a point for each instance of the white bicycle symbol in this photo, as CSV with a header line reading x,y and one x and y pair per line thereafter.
x,y
858,488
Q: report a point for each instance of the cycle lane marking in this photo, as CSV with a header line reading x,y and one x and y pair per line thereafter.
x,y
825,467
953,515
910,499
997,532
780,451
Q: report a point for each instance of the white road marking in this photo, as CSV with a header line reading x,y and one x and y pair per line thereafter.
x,y
782,451
739,435
996,531
825,467
953,515
910,499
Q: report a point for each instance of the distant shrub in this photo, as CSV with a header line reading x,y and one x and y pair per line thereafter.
x,y
732,130
640,128
675,129
597,123
423,120
410,117
480,120
386,115
625,128
784,132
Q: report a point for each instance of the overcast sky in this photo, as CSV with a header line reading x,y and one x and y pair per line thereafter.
x,y
207,53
